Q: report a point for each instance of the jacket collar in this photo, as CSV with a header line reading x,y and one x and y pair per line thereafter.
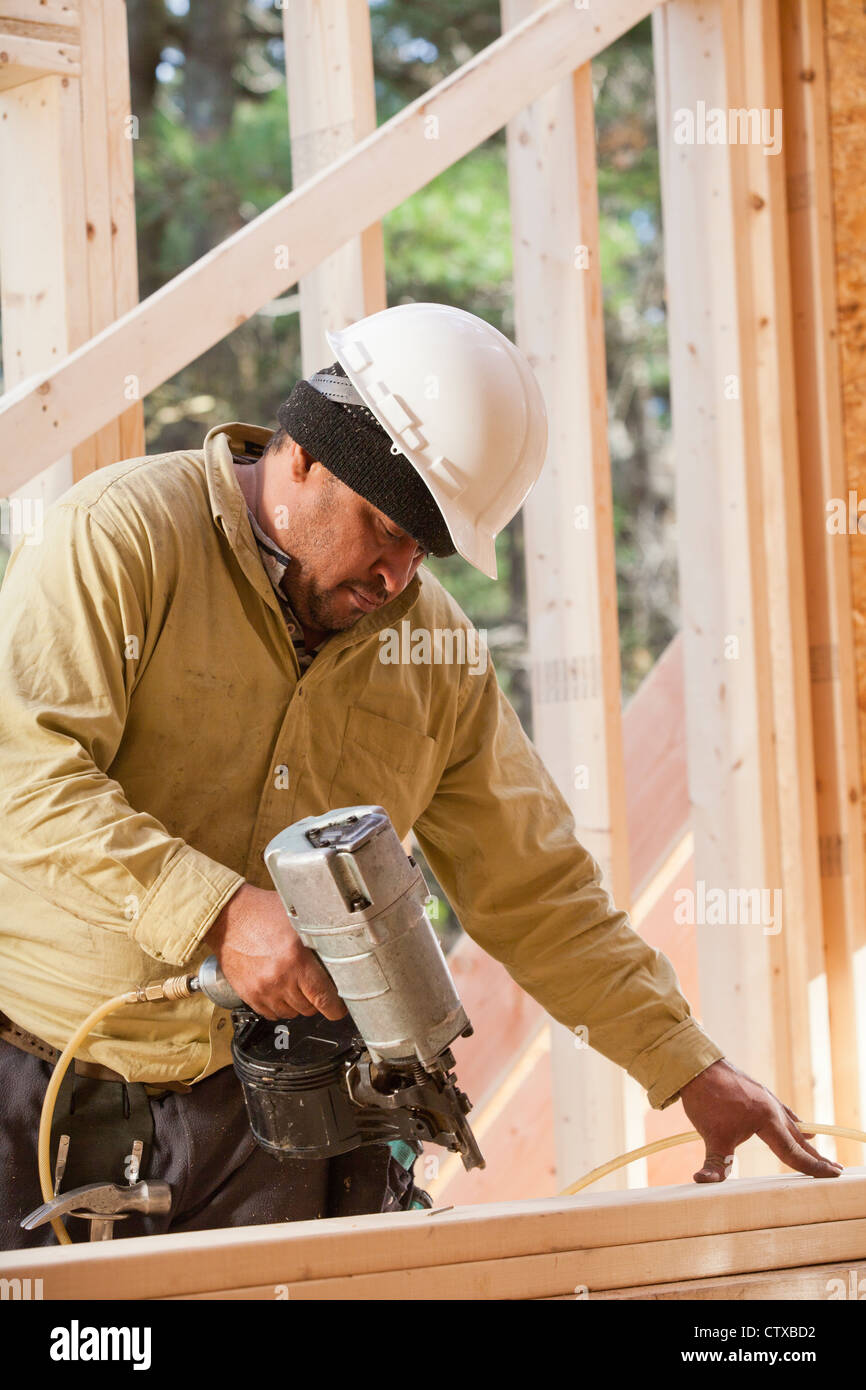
x,y
229,511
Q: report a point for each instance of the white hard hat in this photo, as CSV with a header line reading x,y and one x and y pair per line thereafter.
x,y
462,403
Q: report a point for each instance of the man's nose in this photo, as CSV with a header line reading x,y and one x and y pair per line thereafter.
x,y
395,565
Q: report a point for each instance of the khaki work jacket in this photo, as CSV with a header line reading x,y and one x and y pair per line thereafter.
x,y
156,733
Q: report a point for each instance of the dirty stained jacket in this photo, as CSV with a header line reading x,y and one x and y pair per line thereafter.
x,y
156,732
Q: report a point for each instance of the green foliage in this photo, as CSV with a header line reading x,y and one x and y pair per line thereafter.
x,y
452,239
191,194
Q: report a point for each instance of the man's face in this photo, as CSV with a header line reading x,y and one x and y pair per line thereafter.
x,y
348,558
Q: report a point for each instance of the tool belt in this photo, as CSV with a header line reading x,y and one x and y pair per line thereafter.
x,y
28,1042
99,1115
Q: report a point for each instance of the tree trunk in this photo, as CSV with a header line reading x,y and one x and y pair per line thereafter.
x,y
212,50
147,24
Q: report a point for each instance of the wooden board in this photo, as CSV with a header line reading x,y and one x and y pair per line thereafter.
x,y
112,262
121,189
584,1272
104,444
754,80
520,1249
332,105
830,1282
725,773
845,41
823,476
67,237
24,58
746,672
43,278
41,12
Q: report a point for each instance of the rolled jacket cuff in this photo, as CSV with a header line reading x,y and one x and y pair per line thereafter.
x,y
674,1060
183,905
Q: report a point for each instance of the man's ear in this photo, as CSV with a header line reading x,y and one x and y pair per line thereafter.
x,y
298,461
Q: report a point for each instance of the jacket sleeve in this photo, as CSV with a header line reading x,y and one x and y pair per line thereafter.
x,y
501,840
73,614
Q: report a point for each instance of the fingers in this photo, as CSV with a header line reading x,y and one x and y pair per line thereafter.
x,y
729,1108
790,1147
284,998
334,1011
305,995
305,988
807,1134
272,1011
716,1168
800,1138
320,991
330,1004
293,984
322,1002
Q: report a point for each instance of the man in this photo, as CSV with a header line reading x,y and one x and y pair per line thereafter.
x,y
194,659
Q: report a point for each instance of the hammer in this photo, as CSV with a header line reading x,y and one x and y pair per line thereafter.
x,y
103,1203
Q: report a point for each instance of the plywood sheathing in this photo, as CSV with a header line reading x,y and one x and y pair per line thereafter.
x,y
845,28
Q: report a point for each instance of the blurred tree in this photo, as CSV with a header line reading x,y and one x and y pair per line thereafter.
x,y
636,335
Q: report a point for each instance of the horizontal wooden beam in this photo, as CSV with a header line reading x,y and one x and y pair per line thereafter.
x,y
45,32
23,59
41,12
607,1240
583,1272
48,414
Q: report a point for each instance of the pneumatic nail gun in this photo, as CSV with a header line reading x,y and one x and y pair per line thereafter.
x,y
316,1088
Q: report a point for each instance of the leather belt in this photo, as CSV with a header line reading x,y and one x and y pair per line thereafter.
x,y
28,1042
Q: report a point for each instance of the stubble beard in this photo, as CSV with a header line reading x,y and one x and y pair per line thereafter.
x,y
322,605
316,606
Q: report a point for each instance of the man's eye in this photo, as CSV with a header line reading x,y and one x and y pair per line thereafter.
x,y
397,537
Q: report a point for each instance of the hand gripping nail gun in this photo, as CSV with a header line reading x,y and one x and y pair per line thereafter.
x,y
316,1088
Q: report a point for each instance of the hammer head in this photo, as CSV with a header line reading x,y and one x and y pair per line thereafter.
x,y
101,1199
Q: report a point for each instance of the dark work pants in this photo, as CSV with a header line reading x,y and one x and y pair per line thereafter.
x,y
204,1148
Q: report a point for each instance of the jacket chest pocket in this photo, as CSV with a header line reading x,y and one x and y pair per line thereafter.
x,y
386,764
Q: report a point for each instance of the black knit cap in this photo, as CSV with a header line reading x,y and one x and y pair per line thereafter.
x,y
349,441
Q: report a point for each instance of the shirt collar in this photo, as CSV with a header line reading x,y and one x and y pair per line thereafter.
x,y
275,560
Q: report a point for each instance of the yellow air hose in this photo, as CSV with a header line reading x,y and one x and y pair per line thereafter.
x,y
807,1127
176,988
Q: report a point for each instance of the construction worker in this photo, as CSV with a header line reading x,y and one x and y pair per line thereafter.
x,y
193,660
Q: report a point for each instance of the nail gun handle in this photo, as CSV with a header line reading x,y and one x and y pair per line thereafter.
x,y
212,982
